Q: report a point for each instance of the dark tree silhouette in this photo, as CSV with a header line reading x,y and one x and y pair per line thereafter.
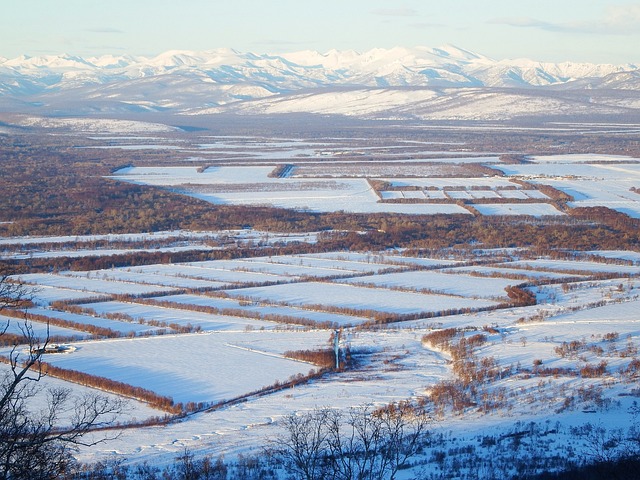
x,y
37,442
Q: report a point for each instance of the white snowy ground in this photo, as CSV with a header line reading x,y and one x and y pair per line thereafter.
x,y
205,367
592,180
251,185
235,355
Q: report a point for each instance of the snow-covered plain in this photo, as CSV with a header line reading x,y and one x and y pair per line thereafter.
x,y
188,367
236,353
454,284
440,188
348,296
592,180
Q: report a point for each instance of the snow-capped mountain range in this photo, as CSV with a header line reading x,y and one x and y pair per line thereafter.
x,y
383,83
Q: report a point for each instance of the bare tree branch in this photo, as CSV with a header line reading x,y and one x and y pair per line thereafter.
x,y
39,444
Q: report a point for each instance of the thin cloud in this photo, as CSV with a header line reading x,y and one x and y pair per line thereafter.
x,y
279,43
424,25
104,30
618,20
395,12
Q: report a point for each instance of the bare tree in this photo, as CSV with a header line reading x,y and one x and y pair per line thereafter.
x,y
302,450
361,444
13,293
37,443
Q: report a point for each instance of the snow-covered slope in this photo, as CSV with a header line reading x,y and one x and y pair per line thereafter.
x,y
416,82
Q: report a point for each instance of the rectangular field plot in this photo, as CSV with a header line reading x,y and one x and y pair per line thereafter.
x,y
125,328
489,183
44,295
198,367
384,258
472,194
617,254
532,209
497,271
90,284
207,271
576,266
77,253
206,321
359,298
40,330
453,284
336,265
125,274
522,194
392,195
134,411
264,310
291,266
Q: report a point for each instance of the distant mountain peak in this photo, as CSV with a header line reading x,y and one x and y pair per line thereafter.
x,y
185,80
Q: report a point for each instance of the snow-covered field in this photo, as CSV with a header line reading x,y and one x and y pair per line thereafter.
x,y
348,296
239,347
592,180
454,284
200,367
533,209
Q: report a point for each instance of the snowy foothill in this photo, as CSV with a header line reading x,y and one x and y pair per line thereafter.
x,y
96,125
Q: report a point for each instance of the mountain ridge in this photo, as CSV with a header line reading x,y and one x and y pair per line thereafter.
x,y
224,79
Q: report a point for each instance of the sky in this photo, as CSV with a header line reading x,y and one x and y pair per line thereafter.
x,y
598,31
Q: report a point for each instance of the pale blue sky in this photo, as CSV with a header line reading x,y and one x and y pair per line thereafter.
x,y
548,30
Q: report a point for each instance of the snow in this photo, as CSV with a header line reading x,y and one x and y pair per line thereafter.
x,y
206,322
490,271
178,235
533,209
593,180
606,183
619,254
581,158
217,277
40,330
132,411
90,284
349,296
454,284
251,185
579,266
102,252
96,125
125,328
227,368
234,355
262,308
